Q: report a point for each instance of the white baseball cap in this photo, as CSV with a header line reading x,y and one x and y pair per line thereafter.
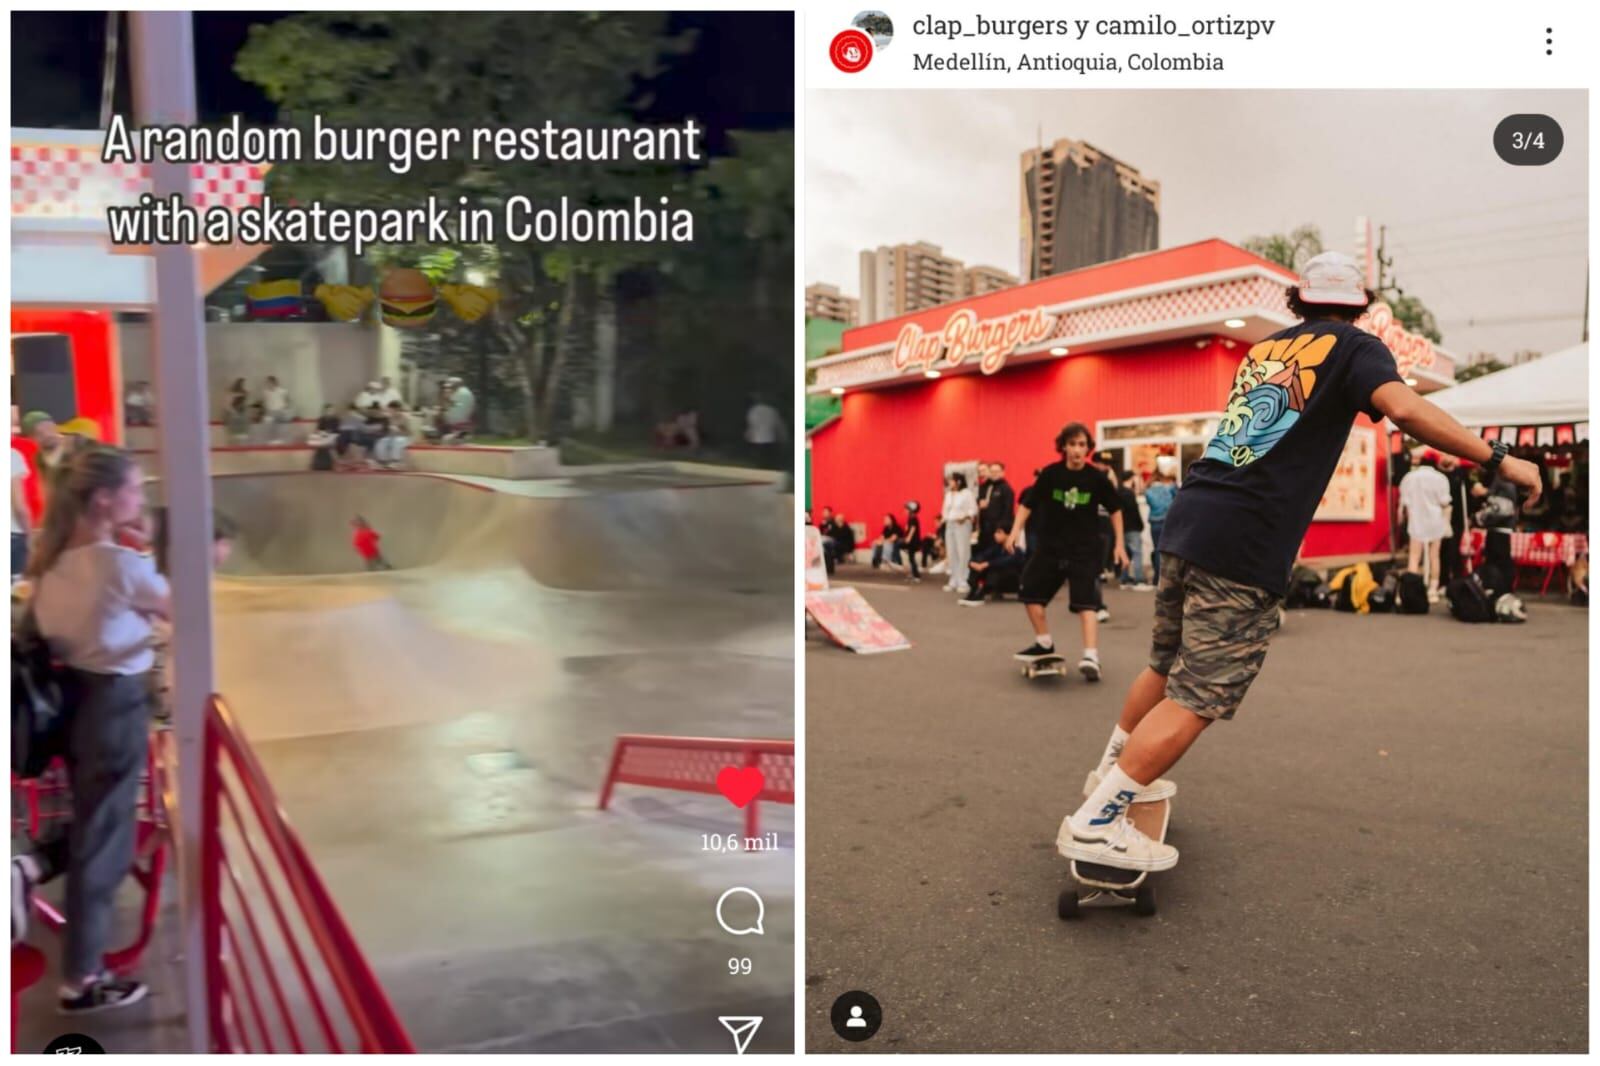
x,y
1333,278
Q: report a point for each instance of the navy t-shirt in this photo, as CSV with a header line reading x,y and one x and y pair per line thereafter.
x,y
1245,506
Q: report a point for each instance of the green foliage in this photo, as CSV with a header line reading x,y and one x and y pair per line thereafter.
x,y
1478,370
1291,249
709,298
1410,313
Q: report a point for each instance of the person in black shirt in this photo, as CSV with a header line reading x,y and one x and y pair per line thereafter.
x,y
912,541
997,506
1230,540
1450,566
887,549
1066,497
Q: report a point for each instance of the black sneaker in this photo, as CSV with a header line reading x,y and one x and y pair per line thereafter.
x,y
971,599
106,993
1036,651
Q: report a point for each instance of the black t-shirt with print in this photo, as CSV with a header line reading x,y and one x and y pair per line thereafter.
x,y
1245,505
1066,503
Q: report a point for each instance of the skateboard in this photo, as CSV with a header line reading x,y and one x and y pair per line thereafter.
x,y
1111,886
1049,664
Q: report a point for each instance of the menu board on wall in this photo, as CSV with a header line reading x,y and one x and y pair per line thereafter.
x,y
1350,493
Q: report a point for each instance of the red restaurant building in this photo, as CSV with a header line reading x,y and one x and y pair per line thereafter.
x,y
1143,350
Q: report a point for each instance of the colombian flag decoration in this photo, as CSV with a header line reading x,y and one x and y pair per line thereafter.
x,y
273,299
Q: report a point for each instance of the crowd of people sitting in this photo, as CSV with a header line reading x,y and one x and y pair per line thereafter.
x,y
372,431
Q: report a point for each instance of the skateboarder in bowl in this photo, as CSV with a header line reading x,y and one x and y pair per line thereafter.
x,y
1066,496
365,540
1231,537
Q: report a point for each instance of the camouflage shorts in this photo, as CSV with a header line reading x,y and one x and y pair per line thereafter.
x,y
1210,637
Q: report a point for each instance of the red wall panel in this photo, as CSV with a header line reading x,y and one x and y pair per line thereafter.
x,y
93,335
890,444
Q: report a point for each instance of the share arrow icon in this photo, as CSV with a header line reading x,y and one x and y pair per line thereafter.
x,y
742,1029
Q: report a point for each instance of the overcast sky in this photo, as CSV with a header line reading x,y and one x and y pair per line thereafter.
x,y
1497,252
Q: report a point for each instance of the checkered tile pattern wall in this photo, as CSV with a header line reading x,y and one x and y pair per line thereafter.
x,y
63,181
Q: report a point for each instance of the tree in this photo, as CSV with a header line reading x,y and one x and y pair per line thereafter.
x,y
1291,249
1478,369
1410,313
449,69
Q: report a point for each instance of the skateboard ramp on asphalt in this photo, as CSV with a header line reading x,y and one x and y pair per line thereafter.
x,y
851,622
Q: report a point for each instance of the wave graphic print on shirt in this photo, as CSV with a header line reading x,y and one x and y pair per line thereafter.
x,y
1273,385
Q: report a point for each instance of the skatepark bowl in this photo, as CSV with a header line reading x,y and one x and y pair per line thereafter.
x,y
438,734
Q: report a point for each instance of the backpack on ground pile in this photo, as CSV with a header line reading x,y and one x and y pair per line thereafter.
x,y
1469,600
1307,589
1351,588
1383,597
1508,608
1413,595
37,708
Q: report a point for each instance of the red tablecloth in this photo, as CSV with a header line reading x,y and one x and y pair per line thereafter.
x,y
1533,549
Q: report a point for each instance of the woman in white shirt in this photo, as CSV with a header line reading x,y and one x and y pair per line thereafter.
x,y
95,602
960,510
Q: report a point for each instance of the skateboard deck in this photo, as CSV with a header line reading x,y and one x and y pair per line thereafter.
x,y
1050,664
1112,884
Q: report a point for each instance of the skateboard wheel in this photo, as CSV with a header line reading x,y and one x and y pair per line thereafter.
x,y
1067,904
1144,902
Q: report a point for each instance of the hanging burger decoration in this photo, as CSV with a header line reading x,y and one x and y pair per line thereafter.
x,y
406,299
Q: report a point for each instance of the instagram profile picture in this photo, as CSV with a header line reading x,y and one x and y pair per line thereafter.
x,y
851,51
877,25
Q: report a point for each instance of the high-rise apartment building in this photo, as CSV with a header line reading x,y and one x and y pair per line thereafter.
x,y
826,301
977,280
1080,207
899,279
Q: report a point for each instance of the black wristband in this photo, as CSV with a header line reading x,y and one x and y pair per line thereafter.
x,y
1498,450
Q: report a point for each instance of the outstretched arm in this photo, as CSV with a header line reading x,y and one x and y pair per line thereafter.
x,y
1432,426
1017,525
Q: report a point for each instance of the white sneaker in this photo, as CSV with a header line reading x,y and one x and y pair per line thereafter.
x,y
961,590
1089,667
1103,614
1119,844
1159,789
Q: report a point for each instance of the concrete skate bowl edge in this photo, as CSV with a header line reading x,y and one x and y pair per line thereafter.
x,y
732,536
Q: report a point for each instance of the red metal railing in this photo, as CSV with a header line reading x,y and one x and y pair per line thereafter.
x,y
293,978
691,764
48,798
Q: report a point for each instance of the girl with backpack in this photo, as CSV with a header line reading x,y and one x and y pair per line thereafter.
x,y
94,602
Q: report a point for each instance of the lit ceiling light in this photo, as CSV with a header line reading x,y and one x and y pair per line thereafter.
x,y
930,373
1058,350
837,390
1234,323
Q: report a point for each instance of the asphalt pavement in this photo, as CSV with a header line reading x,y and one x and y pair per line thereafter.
x,y
1386,850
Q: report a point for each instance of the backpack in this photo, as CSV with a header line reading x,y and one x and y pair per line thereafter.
x,y
1383,597
1413,596
1508,608
1469,601
1352,588
38,718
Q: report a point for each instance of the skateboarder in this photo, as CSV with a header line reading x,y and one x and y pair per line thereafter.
x,y
1230,540
1067,496
365,540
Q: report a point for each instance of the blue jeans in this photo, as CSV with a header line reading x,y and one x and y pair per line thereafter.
x,y
1133,543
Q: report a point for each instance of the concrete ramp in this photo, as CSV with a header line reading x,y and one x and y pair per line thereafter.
x,y
618,533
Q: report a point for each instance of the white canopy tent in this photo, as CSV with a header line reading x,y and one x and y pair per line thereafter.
x,y
1551,390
